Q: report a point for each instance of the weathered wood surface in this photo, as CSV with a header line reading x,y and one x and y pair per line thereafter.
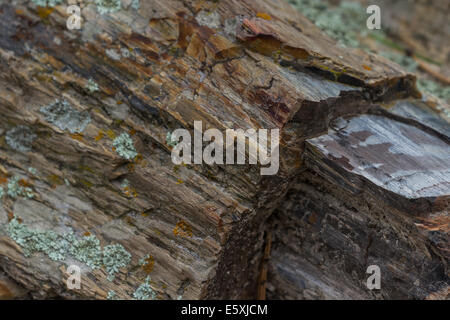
x,y
376,192
231,64
399,158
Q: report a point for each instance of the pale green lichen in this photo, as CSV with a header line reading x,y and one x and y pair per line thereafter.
x,y
108,6
15,190
406,62
47,3
115,257
144,291
136,4
125,184
344,22
92,86
170,140
88,251
33,171
61,114
124,146
434,89
143,260
32,241
20,138
58,247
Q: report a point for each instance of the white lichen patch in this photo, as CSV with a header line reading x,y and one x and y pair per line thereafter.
x,y
62,115
112,295
231,25
124,146
20,138
144,291
15,189
113,54
108,6
125,184
92,86
170,140
208,19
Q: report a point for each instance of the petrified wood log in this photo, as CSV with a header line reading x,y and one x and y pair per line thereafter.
x,y
85,153
376,192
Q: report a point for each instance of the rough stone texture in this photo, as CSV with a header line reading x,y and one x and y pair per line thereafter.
x,y
157,69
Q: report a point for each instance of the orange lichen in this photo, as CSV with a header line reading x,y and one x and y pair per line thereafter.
x,y
132,132
130,192
148,265
182,229
54,180
24,183
139,158
100,135
44,12
87,234
366,67
264,16
3,178
179,181
77,136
